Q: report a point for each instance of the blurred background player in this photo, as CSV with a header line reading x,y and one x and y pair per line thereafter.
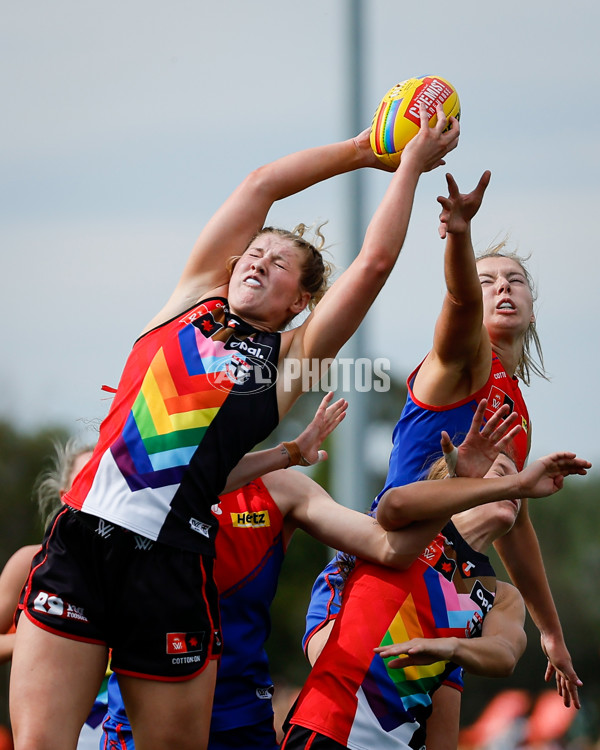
x,y
49,488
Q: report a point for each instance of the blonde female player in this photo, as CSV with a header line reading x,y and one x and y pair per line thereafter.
x,y
129,562
482,345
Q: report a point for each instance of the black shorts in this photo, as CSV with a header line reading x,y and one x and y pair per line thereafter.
x,y
154,606
299,738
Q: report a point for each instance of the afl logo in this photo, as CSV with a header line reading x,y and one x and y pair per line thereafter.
x,y
243,375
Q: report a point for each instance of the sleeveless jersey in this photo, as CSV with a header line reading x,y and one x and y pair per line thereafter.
x,y
416,437
351,695
250,553
196,394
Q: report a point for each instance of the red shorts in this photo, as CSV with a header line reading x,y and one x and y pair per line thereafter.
x,y
155,606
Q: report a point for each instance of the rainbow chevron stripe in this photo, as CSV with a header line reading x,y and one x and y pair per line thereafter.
x,y
392,693
167,423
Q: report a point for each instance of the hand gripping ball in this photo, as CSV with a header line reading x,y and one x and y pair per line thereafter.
x,y
396,120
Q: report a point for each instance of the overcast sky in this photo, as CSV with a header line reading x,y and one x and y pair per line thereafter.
x,y
125,125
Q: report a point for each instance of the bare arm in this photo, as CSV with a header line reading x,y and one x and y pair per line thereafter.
x,y
458,363
494,654
317,642
243,214
520,552
12,579
344,306
307,506
521,555
7,645
438,500
303,451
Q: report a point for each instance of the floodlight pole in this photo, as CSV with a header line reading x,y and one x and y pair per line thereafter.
x,y
348,454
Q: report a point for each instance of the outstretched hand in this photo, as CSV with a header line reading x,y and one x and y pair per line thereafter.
x,y
481,446
417,651
326,419
560,666
459,208
546,476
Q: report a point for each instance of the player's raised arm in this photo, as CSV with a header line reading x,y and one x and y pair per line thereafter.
x,y
244,213
344,306
461,346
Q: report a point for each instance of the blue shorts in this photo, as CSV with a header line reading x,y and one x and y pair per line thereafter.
x,y
154,606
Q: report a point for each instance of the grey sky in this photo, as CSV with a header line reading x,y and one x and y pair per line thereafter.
x,y
125,125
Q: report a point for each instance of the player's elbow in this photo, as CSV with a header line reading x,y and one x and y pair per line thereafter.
x,y
379,261
508,656
505,666
392,510
399,558
259,184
